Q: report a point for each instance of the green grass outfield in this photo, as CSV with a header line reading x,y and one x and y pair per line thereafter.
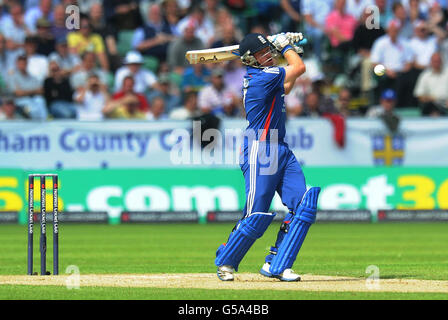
x,y
404,251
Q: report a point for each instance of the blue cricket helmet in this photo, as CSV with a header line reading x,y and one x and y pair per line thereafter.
x,y
252,43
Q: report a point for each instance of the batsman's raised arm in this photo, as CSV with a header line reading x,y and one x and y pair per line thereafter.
x,y
295,66
293,70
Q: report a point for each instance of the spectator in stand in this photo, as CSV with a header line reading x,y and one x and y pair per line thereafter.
x,y
406,28
85,40
157,109
292,19
195,77
15,31
228,37
59,93
27,91
204,27
92,99
133,66
8,110
170,12
387,104
437,20
432,88
356,8
189,110
216,98
311,107
315,13
128,89
416,9
59,29
343,104
211,9
43,10
340,28
224,18
37,63
167,92
153,38
316,102
88,66
294,101
423,45
126,107
68,62
226,29
234,78
294,106
123,14
177,48
396,55
44,37
107,33
386,110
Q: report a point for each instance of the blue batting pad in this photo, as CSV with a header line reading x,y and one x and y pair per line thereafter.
x,y
298,229
280,236
242,238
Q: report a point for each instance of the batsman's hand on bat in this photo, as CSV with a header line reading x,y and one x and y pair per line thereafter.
x,y
281,42
296,41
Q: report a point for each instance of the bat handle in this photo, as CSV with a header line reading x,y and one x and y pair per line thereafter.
x,y
302,42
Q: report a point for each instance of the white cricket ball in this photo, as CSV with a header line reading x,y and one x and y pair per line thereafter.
x,y
379,70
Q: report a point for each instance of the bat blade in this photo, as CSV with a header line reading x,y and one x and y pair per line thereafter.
x,y
214,55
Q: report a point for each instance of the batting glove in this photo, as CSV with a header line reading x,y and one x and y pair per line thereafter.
x,y
295,37
280,42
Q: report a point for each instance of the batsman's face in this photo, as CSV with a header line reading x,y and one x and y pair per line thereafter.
x,y
264,57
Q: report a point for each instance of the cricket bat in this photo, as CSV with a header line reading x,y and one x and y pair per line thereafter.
x,y
216,55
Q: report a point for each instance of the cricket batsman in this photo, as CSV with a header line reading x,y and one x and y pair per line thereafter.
x,y
267,163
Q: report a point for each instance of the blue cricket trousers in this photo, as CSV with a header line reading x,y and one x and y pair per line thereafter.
x,y
268,168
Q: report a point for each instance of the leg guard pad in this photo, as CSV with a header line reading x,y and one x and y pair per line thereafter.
x,y
242,238
280,236
298,229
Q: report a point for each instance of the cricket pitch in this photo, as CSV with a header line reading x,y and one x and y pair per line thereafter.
x,y
243,281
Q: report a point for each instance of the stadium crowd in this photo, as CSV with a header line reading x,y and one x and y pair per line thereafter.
x,y
125,59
